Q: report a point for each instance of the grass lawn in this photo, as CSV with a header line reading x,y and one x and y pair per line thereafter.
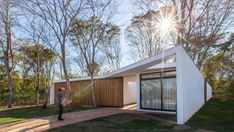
x,y
121,122
216,115
14,115
168,117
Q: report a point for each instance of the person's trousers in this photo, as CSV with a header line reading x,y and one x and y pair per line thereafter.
x,y
60,111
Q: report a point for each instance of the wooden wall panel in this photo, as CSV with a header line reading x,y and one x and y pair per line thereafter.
x,y
108,92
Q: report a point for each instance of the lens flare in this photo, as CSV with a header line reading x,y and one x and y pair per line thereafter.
x,y
166,21
166,25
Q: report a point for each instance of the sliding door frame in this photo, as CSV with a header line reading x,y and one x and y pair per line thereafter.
x,y
161,77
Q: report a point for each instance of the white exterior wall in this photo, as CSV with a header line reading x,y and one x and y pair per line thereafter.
x,y
52,94
138,91
129,89
209,91
190,87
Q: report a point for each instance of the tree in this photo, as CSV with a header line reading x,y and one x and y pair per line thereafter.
x,y
2,82
142,36
6,42
40,60
146,35
219,68
112,48
48,72
201,24
89,36
58,15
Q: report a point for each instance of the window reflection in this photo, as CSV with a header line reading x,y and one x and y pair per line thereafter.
x,y
169,93
151,94
158,92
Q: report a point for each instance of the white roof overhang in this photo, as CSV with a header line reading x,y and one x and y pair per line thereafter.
x,y
151,64
141,66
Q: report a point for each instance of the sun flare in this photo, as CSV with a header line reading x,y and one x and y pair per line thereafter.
x,y
166,25
166,22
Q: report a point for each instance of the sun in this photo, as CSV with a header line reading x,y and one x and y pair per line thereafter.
x,y
166,23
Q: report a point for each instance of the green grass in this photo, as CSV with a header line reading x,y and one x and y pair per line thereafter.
x,y
14,115
216,115
170,117
121,122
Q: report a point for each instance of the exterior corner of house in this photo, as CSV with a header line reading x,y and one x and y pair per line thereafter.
x,y
179,87
52,94
138,91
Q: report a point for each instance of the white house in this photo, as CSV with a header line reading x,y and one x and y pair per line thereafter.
x,y
168,82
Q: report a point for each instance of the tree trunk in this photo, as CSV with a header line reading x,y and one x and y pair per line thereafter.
x,y
9,78
9,86
45,103
38,76
8,58
38,96
68,87
93,91
46,99
38,87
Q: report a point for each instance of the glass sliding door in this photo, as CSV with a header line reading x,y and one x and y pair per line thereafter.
x,y
169,93
158,91
151,94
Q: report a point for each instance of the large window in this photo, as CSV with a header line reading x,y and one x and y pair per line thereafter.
x,y
158,91
151,91
169,93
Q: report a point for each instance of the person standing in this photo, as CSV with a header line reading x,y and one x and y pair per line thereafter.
x,y
60,103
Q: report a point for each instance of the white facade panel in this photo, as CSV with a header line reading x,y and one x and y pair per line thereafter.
x,y
129,89
52,94
190,87
138,91
209,91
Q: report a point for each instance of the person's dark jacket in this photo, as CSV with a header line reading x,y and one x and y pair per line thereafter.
x,y
60,97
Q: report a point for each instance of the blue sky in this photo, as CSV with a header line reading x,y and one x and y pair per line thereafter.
x,y
126,12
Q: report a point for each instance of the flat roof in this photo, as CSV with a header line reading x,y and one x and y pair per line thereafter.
x,y
133,68
141,65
